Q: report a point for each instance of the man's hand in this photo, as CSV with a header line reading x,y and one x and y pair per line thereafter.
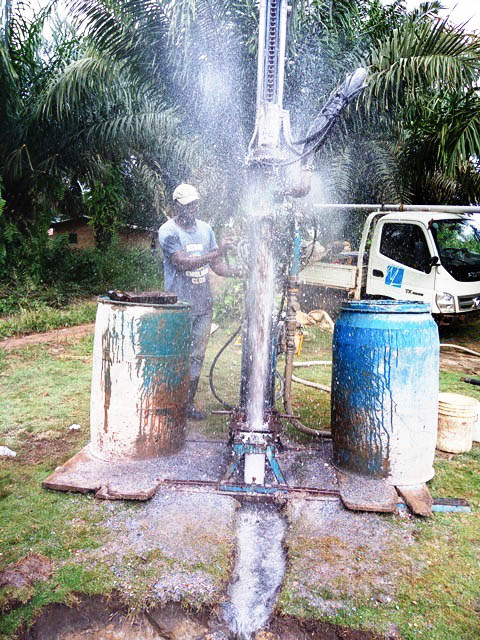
x,y
225,244
235,272
222,269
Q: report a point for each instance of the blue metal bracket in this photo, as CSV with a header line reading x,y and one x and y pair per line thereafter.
x,y
275,467
252,488
239,451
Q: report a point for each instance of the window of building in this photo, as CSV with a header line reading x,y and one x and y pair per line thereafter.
x,y
73,238
405,243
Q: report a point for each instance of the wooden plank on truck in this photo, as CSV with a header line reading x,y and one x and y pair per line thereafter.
x,y
337,276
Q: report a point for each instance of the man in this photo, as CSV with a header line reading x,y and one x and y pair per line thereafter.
x,y
189,251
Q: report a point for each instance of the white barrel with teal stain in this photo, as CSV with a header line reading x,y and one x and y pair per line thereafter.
x,y
385,390
140,378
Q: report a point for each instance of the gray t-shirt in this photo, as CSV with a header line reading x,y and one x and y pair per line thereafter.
x,y
190,286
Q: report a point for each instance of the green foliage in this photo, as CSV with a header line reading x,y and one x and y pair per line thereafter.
x,y
128,269
45,317
104,201
229,305
58,274
3,233
460,234
73,122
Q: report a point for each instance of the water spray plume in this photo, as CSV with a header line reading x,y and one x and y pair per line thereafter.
x,y
270,152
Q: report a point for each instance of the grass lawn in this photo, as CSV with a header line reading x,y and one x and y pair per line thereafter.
x,y
45,318
46,388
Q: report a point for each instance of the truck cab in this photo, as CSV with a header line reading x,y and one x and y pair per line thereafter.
x,y
431,257
409,255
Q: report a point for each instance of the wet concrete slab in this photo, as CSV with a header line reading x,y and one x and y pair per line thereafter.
x,y
360,493
139,480
309,466
202,462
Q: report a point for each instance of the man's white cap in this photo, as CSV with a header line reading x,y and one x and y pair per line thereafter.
x,y
185,193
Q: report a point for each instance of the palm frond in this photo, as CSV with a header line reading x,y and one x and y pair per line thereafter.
x,y
460,134
92,73
421,55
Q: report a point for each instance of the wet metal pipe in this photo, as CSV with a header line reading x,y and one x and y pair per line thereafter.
x,y
291,322
291,327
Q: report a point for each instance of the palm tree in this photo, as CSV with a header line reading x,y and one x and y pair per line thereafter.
x,y
422,99
200,55
55,144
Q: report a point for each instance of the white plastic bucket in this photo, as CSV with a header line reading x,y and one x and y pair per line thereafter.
x,y
457,415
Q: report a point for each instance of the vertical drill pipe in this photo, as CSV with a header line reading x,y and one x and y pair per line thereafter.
x,y
271,51
297,245
257,344
291,327
291,319
261,52
265,145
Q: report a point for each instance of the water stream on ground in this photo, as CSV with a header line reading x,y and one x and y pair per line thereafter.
x,y
259,569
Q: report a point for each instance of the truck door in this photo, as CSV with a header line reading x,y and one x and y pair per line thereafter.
x,y
397,265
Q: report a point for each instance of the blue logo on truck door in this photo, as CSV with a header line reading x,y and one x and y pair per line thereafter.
x,y
394,277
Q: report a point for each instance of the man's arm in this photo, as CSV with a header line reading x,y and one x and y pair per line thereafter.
x,y
184,262
221,268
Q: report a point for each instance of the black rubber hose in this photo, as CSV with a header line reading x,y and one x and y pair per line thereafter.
x,y
212,369
282,303
475,381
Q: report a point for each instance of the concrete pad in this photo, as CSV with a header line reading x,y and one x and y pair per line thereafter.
x,y
309,466
366,494
418,498
200,461
139,480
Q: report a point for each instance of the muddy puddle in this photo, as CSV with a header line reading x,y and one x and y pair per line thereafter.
x,y
107,619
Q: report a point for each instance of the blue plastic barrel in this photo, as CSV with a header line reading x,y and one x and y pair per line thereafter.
x,y
385,390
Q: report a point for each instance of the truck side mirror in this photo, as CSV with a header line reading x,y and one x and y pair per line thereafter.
x,y
433,261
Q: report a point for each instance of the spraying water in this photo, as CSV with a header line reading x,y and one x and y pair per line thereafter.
x,y
259,301
258,572
260,296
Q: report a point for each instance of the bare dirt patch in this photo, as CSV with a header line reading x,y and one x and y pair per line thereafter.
x,y
452,360
98,618
52,447
18,578
26,571
57,335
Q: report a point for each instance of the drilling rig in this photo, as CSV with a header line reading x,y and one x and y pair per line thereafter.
x,y
255,426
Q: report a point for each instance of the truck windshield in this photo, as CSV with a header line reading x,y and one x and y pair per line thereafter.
x,y
458,244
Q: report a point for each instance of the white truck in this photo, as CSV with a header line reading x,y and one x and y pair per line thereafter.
x,y
420,255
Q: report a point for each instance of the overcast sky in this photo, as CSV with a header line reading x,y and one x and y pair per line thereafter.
x,y
460,10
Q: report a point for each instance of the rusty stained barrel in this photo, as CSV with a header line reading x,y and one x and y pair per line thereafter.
x,y
385,378
140,378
